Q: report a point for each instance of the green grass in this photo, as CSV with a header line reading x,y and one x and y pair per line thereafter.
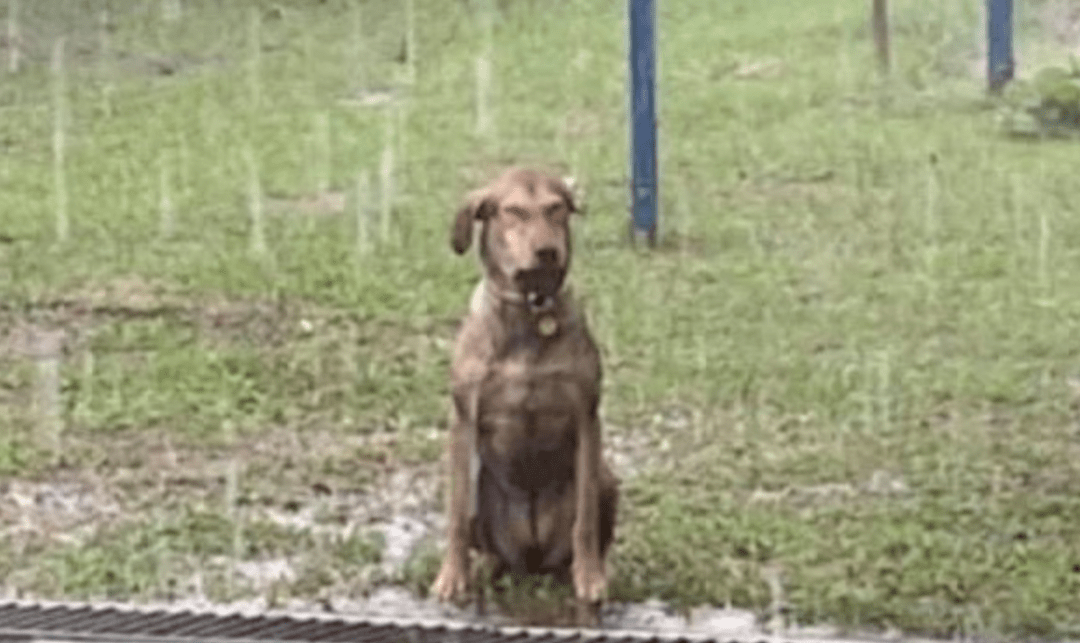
x,y
853,349
160,558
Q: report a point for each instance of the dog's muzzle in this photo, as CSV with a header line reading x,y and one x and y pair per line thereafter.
x,y
540,285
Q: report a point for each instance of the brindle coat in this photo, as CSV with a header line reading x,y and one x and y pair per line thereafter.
x,y
526,388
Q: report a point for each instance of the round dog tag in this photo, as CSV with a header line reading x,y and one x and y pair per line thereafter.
x,y
547,326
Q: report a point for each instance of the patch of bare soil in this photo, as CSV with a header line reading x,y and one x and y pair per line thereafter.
x,y
319,204
82,36
65,322
332,486
64,510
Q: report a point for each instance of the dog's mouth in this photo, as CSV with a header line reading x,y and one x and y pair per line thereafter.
x,y
539,286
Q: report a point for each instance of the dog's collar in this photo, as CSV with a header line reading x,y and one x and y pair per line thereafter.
x,y
544,318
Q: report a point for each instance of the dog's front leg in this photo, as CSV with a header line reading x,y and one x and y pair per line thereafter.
x,y
590,580
453,578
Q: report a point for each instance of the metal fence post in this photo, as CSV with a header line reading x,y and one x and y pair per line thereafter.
x,y
879,22
643,173
999,33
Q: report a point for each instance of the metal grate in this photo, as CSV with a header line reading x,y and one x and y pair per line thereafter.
x,y
28,622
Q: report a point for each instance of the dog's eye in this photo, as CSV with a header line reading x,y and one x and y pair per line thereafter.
x,y
554,210
520,213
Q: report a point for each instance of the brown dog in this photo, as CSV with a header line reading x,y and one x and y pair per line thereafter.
x,y
526,388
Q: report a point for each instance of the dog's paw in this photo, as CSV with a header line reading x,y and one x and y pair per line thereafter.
x,y
590,581
452,581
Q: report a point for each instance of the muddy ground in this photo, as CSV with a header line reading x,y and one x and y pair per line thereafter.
x,y
402,504
317,485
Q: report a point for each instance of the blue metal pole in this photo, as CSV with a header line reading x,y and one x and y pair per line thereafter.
x,y
999,33
642,62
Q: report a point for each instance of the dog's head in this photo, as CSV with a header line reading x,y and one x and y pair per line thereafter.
x,y
525,232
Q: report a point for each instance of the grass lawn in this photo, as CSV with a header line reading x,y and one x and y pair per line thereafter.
x,y
851,365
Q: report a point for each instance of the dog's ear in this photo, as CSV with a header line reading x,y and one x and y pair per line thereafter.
x,y
565,188
478,205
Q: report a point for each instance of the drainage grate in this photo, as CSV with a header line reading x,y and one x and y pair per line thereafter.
x,y
32,622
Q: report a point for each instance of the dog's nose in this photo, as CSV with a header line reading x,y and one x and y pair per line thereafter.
x,y
547,256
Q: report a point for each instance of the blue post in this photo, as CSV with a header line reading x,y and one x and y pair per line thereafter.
x,y
643,174
999,28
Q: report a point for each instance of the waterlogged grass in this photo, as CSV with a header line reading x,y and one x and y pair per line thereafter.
x,y
853,352
950,527
198,551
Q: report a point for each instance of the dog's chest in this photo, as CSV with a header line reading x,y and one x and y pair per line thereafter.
x,y
527,424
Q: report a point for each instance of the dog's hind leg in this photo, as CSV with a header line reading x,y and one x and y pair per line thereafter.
x,y
609,507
